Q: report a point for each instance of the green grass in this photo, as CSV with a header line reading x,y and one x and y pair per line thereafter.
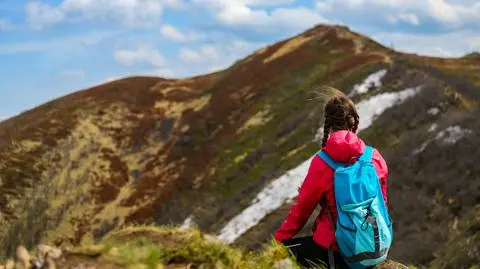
x,y
148,247
157,246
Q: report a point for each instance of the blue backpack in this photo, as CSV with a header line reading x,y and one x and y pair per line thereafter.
x,y
364,228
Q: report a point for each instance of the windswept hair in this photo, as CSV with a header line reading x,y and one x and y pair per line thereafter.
x,y
339,111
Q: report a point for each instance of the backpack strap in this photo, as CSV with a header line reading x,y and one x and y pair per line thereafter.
x,y
367,154
333,164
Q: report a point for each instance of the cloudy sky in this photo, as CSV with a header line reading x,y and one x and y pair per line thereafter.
x,y
49,48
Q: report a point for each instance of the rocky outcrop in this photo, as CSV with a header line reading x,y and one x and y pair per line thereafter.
x,y
45,258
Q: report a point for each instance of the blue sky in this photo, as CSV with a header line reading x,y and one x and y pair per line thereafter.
x,y
49,48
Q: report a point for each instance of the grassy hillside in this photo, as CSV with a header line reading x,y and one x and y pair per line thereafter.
x,y
152,150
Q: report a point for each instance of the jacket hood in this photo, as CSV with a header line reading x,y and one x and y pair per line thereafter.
x,y
343,146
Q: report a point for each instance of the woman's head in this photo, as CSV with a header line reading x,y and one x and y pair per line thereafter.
x,y
340,114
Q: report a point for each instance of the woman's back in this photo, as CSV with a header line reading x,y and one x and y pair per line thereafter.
x,y
342,146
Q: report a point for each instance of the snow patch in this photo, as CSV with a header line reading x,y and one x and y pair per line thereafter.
x,y
422,147
432,128
267,201
449,136
285,188
433,111
372,80
452,134
188,223
371,108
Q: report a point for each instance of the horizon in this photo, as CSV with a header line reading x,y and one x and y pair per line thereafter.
x,y
51,48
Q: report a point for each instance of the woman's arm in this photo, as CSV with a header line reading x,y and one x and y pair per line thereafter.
x,y
309,195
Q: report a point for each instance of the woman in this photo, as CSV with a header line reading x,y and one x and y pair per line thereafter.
x,y
342,144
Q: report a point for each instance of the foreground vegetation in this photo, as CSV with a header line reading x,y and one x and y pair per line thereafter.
x,y
148,247
162,247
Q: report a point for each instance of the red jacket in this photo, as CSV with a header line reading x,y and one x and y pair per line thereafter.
x,y
342,146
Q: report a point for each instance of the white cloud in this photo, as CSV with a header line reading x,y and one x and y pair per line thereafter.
x,y
246,13
210,52
172,33
452,14
343,6
280,18
5,25
323,6
392,19
405,17
434,44
443,11
40,15
265,2
188,55
449,14
206,53
355,3
393,3
252,3
130,12
74,74
69,44
177,4
143,54
215,56
296,18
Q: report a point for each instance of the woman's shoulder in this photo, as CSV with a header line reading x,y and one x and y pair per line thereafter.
x,y
379,161
377,154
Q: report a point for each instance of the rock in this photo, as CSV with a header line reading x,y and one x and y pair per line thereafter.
x,y
23,258
10,264
37,264
283,264
44,252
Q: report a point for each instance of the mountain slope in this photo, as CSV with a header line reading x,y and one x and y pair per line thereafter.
x,y
151,150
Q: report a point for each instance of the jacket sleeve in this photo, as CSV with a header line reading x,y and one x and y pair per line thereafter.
x,y
382,172
309,195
